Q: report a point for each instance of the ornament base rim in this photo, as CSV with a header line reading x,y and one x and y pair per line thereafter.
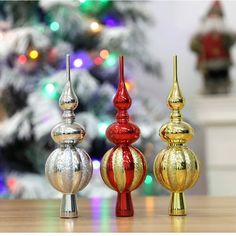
x,y
177,204
124,205
69,207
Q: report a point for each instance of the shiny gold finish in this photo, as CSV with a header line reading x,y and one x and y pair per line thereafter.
x,y
103,168
177,204
119,170
138,169
176,167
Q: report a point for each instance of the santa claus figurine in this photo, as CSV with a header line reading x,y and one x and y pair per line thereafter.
x,y
212,45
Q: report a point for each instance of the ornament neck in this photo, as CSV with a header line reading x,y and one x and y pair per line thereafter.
x,y
67,144
68,116
176,144
122,117
176,116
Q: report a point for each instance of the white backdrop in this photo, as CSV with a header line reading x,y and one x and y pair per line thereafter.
x,y
175,23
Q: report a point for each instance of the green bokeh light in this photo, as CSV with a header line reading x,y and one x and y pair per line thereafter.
x,y
92,7
111,60
102,126
148,179
54,26
50,90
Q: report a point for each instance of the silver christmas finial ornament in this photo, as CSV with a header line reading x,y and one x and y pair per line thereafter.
x,y
68,168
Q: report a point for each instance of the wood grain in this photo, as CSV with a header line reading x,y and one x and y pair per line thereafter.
x,y
205,214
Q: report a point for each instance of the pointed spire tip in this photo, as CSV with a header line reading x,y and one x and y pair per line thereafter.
x,y
175,65
175,99
122,99
68,66
121,68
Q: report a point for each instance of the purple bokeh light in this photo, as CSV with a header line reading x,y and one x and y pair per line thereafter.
x,y
112,21
79,60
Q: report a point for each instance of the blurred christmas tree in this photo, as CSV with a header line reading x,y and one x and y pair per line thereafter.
x,y
35,36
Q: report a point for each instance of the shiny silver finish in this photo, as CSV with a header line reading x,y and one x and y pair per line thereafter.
x,y
68,99
69,206
68,133
86,168
68,169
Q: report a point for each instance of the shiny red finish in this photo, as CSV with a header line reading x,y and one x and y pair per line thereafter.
x,y
122,100
128,162
124,205
123,133
109,169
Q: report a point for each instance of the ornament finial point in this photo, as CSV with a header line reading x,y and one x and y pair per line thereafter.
x,y
122,69
122,100
175,74
175,99
68,99
68,66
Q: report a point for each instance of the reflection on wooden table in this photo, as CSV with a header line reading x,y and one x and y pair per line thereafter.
x,y
205,214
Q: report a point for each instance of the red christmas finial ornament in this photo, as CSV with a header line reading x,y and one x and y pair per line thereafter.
x,y
123,167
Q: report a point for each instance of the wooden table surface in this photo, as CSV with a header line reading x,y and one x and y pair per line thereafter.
x,y
205,214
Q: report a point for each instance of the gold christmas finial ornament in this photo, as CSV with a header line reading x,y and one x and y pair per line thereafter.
x,y
68,168
176,167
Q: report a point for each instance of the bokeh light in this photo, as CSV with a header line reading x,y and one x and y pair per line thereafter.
x,y
148,179
102,126
129,85
22,59
50,90
96,164
92,7
104,53
78,62
111,60
33,54
95,27
98,61
54,26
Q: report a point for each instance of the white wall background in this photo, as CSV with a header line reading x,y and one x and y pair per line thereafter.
x,y
175,23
